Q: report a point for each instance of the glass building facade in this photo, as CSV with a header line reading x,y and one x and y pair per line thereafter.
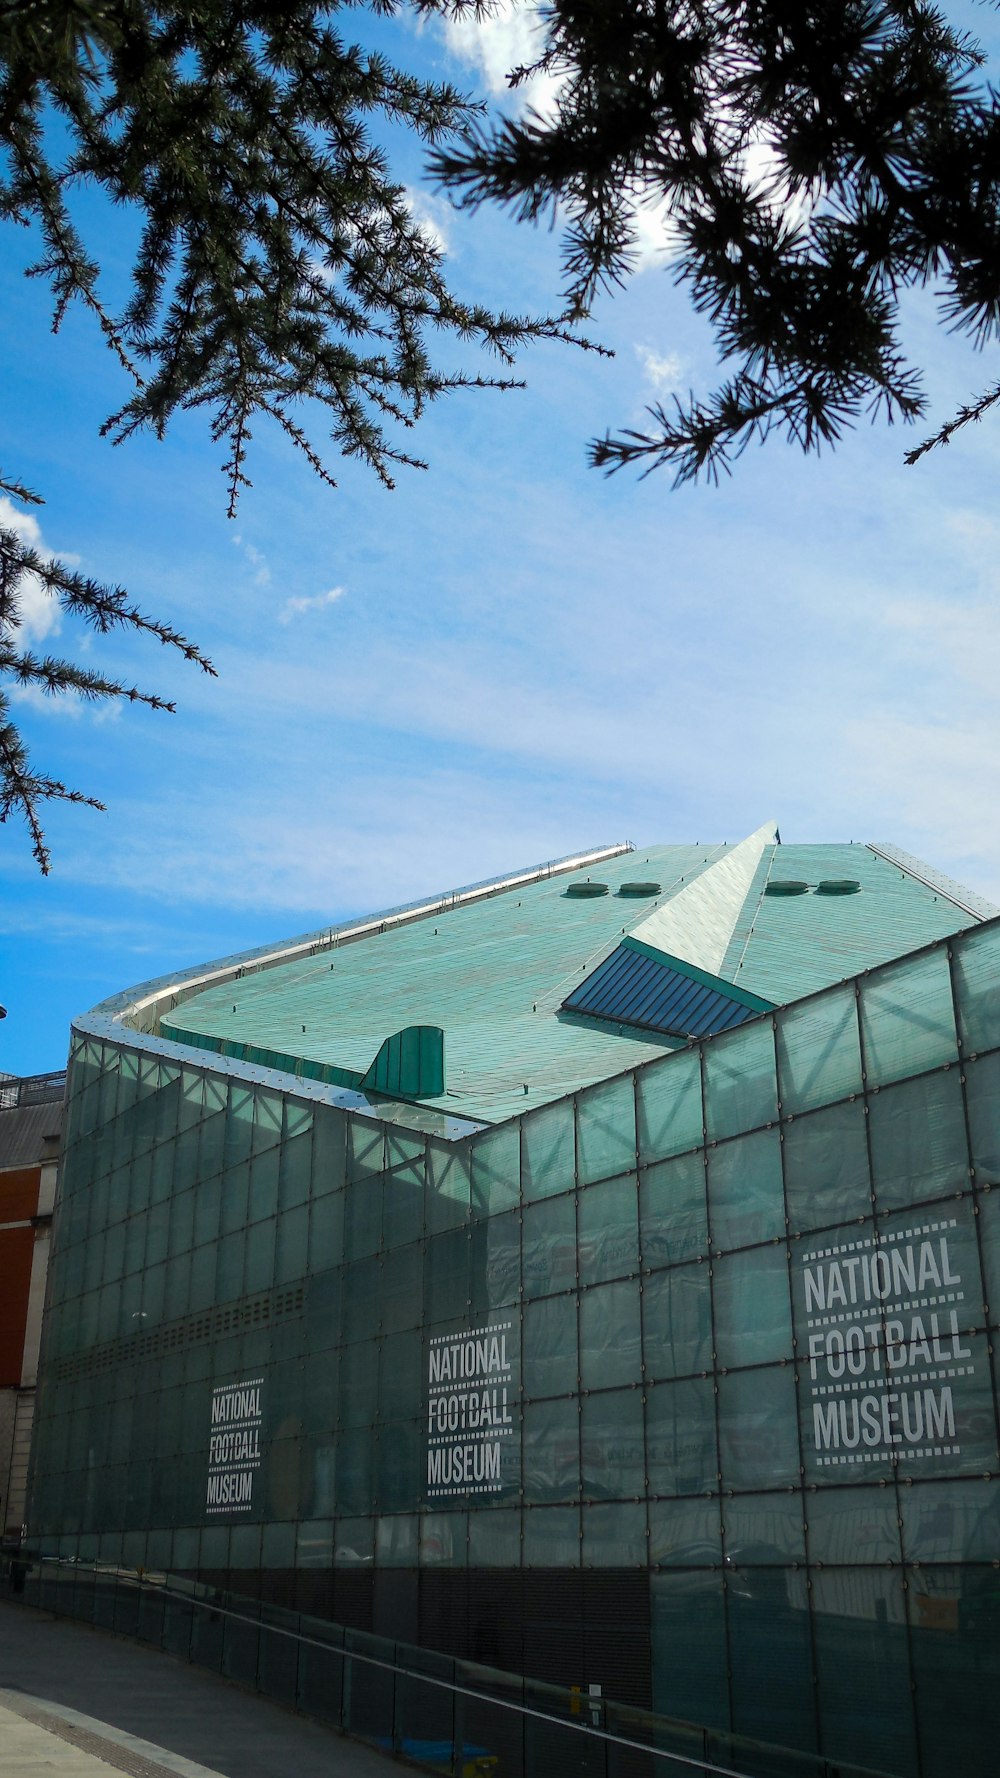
x,y
683,1384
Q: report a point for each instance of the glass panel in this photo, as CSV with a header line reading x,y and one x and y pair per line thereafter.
x,y
673,1210
401,1287
605,1123
552,1451
819,1055
291,1253
296,1169
552,1537
495,1539
496,1169
677,1322
362,1218
680,1436
396,1541
614,1536
609,1335
955,1643
907,1020
549,1245
612,1445
400,1372
685,1533
326,1231
759,1447
329,1167
951,1521
608,1230
753,1318
365,1149
260,1256
741,1089
548,1151
848,1525
977,983
446,1275
865,1706
503,1261
550,1355
689,1646
982,1093
669,1098
826,1166
764,1530
449,1190
745,1197
770,1655
989,1222
918,1140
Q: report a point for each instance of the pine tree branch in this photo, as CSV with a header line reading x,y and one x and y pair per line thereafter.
x,y
971,412
22,789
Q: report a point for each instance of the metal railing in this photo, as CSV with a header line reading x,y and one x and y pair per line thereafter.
x,y
447,1715
31,1089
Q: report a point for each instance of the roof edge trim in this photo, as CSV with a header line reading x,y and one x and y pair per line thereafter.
x,y
141,1007
956,893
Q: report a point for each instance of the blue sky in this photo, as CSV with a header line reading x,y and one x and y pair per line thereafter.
x,y
507,658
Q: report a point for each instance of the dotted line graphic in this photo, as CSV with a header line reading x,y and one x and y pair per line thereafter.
x,y
232,1468
462,1339
231,1388
883,1382
880,1240
471,1438
471,1488
893,1456
874,1314
243,1506
471,1385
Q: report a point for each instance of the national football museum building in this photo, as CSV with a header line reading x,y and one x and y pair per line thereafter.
x,y
594,1273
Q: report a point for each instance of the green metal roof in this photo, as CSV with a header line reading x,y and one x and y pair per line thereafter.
x,y
785,947
493,972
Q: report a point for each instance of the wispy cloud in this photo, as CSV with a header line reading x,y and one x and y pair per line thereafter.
x,y
39,611
508,37
317,602
663,369
257,561
431,215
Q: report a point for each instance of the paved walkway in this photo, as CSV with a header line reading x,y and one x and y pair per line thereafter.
x,y
76,1702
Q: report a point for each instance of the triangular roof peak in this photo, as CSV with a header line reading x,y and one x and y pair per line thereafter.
x,y
697,923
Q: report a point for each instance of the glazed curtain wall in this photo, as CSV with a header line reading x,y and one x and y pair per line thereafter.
x,y
734,1314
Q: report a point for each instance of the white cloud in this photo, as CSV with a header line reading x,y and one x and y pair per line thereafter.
x,y
511,37
430,214
318,601
258,562
39,611
663,369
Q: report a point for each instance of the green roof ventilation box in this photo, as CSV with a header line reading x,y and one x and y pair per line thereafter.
x,y
409,1065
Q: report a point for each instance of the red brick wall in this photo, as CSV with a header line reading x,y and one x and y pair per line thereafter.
x,y
16,1249
19,1193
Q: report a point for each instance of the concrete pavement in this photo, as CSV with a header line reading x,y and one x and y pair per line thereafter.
x,y
76,1702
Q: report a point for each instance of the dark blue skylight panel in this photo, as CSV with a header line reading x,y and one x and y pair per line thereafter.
x,y
633,988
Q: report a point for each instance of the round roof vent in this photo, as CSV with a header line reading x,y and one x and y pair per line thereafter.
x,y
639,888
838,886
585,890
786,886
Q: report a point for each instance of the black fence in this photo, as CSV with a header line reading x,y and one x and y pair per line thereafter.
x,y
446,1715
